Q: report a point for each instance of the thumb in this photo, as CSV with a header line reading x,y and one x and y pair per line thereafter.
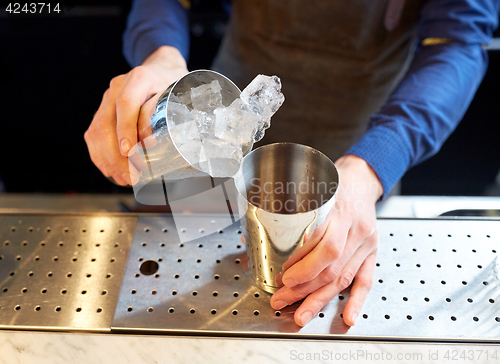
x,y
136,92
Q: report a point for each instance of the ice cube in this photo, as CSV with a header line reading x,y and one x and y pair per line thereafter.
x,y
263,96
192,151
178,113
224,158
184,132
205,122
207,97
184,97
236,123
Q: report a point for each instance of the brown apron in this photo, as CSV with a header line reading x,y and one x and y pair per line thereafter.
x,y
338,61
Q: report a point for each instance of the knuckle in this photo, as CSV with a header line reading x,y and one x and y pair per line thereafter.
x,y
115,83
333,249
365,283
345,280
331,273
101,130
137,73
366,228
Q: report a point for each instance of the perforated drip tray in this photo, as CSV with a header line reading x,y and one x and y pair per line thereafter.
x,y
434,281
62,272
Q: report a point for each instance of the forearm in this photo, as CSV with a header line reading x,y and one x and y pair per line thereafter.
x,y
152,24
423,111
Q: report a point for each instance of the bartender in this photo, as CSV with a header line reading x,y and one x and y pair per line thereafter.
x,y
377,85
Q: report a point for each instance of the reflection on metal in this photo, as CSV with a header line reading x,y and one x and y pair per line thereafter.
x,y
435,280
61,272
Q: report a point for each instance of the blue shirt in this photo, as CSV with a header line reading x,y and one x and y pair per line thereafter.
x,y
422,111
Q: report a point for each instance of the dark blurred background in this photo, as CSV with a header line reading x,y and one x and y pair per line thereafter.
x,y
54,70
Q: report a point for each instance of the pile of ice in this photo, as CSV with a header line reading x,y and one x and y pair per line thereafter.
x,y
211,135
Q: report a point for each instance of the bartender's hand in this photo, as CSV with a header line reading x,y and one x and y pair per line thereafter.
x,y
339,252
126,107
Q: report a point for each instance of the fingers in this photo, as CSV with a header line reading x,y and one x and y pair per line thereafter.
x,y
105,127
145,114
320,298
360,289
335,272
329,248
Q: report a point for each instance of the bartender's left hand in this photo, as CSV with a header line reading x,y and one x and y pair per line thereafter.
x,y
339,252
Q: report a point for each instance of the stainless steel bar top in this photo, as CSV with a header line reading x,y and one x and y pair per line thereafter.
x,y
435,280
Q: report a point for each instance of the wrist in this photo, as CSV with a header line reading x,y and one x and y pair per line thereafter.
x,y
353,169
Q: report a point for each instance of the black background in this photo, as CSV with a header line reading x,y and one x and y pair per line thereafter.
x,y
54,70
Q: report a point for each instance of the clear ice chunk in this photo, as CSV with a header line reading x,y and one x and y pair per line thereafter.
x,y
224,158
182,133
236,123
207,97
205,122
263,96
178,113
192,151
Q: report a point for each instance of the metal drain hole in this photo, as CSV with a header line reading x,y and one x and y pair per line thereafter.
x,y
418,265
394,249
341,297
194,293
497,319
144,244
398,265
179,260
438,265
150,309
238,246
69,275
431,318
149,267
146,230
196,276
378,264
64,291
171,310
216,276
238,261
130,308
409,317
422,281
405,298
192,311
24,290
464,283
30,274
426,299
57,309
459,266
473,250
475,318
99,310
434,250
321,315
236,277
380,281
277,313
256,312
176,276
89,275
181,245
79,309
5,290
480,266
492,300
198,260
235,312
43,291
387,317
153,291
448,299
133,291
217,261
215,293
213,312
174,293
469,300
219,246
17,308
485,283
200,245
165,230
162,244
236,294
401,281
256,295
137,275
453,318
383,298
414,249
365,316
443,282
104,293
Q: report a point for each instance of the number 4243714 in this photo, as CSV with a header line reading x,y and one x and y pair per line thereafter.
x,y
32,8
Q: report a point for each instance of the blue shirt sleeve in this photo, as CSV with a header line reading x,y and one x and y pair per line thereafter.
x,y
433,96
154,23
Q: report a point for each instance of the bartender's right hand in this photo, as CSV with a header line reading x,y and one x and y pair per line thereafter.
x,y
122,119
